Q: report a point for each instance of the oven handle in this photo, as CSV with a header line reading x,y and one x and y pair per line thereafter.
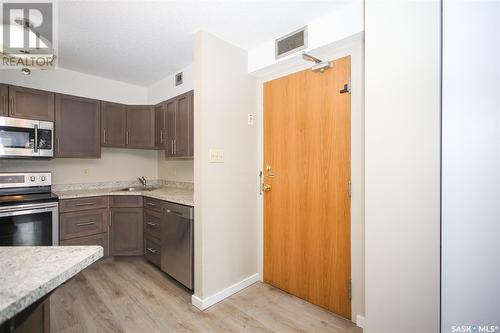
x,y
27,209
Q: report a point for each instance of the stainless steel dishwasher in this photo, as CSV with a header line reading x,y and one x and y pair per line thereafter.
x,y
177,243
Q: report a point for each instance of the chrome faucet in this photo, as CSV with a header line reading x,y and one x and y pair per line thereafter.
x,y
143,181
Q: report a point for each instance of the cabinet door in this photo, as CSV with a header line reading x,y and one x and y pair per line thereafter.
x,y
4,100
77,127
113,124
160,125
126,232
31,104
182,126
170,108
140,126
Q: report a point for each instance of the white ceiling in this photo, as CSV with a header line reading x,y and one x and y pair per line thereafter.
x,y
142,42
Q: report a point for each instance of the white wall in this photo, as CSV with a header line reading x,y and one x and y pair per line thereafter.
x,y
353,47
346,21
174,170
471,164
79,84
402,165
166,88
114,164
225,193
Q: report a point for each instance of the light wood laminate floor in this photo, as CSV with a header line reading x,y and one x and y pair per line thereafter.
x,y
130,295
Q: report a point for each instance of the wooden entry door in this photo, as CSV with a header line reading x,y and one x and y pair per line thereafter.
x,y
307,148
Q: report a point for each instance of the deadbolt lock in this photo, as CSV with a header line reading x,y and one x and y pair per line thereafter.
x,y
266,187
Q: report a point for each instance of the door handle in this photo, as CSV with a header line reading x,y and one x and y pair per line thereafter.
x,y
266,188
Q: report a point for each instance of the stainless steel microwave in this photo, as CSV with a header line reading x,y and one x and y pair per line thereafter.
x,y
26,138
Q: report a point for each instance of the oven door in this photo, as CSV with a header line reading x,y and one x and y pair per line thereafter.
x,y
29,225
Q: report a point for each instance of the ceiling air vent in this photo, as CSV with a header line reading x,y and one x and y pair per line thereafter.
x,y
178,79
291,43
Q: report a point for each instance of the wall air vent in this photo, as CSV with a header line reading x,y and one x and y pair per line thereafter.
x,y
178,79
291,43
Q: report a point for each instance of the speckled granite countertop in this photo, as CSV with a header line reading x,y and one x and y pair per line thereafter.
x,y
27,273
178,195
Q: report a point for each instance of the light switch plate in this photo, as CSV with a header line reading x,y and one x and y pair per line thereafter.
x,y
250,119
216,156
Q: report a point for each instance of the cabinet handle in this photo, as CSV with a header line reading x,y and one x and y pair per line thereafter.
x,y
127,135
85,223
5,107
104,134
150,204
161,136
12,111
150,249
110,220
151,224
84,204
175,147
58,146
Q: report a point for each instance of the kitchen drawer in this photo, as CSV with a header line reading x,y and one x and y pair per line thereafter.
x,y
125,201
153,204
83,223
152,250
152,223
73,205
99,239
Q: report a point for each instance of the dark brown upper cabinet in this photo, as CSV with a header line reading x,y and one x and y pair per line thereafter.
x,y
4,100
160,125
140,127
179,126
29,103
77,127
113,125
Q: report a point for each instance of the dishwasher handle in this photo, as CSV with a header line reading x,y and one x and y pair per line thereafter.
x,y
179,210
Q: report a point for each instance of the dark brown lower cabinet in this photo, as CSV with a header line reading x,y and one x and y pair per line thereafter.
x,y
84,221
33,319
125,233
98,239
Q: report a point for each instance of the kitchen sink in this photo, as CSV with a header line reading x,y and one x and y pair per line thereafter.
x,y
138,189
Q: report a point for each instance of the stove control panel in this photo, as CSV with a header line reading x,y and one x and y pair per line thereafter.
x,y
25,179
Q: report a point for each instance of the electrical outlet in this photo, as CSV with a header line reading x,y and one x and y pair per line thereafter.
x,y
86,172
250,119
216,156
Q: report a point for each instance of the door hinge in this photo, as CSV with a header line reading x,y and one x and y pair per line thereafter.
x,y
349,188
347,88
349,289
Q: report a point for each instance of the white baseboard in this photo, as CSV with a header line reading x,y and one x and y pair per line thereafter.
x,y
360,321
203,304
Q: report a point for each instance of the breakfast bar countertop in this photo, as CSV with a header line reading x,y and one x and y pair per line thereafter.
x,y
28,273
